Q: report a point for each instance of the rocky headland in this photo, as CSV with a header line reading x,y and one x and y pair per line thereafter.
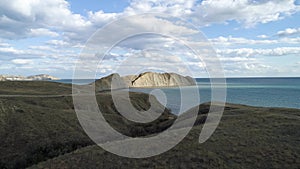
x,y
143,80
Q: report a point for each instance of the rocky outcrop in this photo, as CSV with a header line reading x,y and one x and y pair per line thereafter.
x,y
152,79
42,77
111,82
128,79
2,78
147,79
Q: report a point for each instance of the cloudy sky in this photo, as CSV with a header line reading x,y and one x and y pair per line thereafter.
x,y
250,37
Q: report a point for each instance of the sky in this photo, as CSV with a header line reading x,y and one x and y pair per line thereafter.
x,y
250,38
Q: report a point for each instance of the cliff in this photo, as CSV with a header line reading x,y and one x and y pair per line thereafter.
x,y
152,79
147,79
42,77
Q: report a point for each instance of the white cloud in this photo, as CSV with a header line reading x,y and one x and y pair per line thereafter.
x,y
2,44
288,32
236,59
42,32
100,18
36,17
54,18
175,8
41,48
263,36
60,43
227,41
22,61
21,19
138,33
11,50
232,41
239,66
248,12
250,52
295,40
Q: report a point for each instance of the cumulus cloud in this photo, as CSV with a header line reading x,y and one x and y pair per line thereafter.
x,y
69,31
242,66
248,12
250,52
42,32
37,17
3,44
174,8
227,41
21,19
263,36
232,41
136,33
11,50
22,61
289,32
60,43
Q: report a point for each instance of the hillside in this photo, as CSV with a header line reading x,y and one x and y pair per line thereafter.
x,y
41,130
247,137
43,125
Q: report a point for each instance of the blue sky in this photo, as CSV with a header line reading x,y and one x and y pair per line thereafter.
x,y
250,38
111,6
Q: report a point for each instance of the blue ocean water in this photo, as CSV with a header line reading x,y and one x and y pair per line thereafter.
x,y
265,92
76,81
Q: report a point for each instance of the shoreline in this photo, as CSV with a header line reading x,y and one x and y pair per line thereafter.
x,y
65,89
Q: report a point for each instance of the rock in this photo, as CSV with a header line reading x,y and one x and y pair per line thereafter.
x,y
128,79
41,77
29,78
152,79
147,79
105,83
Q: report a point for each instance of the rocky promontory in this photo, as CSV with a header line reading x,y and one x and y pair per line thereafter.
x,y
152,79
147,79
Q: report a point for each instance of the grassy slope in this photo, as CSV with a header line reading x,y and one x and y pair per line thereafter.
x,y
34,88
247,137
33,130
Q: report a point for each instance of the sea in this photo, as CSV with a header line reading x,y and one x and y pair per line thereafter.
x,y
262,92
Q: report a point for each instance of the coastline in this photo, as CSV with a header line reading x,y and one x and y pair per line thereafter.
x,y
250,93
48,128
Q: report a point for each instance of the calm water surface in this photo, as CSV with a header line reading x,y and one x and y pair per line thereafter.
x,y
265,92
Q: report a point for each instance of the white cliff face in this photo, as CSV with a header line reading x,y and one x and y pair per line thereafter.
x,y
148,79
42,77
151,79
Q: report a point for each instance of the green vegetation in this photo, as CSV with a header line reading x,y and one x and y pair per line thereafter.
x,y
43,132
35,128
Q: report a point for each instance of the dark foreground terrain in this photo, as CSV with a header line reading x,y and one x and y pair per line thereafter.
x,y
39,129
